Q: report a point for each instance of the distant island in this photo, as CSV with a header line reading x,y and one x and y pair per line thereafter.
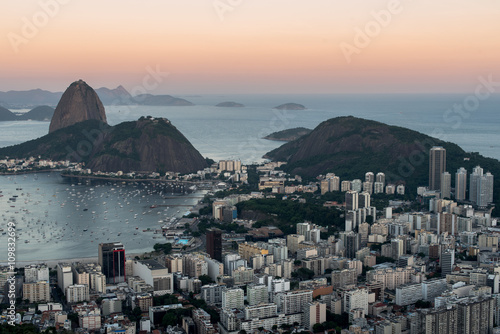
x,y
160,100
230,104
290,106
40,113
288,134
7,115
117,96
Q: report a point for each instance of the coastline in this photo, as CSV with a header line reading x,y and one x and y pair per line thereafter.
x,y
89,254
53,262
33,172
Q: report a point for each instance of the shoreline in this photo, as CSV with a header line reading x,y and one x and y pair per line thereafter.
x,y
32,172
53,262
91,256
108,178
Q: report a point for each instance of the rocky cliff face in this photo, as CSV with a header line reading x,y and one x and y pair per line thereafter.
x,y
78,103
149,144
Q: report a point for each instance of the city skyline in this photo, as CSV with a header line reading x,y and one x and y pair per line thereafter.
x,y
251,47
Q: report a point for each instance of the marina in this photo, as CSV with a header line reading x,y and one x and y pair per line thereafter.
x,y
57,218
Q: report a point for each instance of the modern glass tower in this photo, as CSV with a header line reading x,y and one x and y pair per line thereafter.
x,y
112,261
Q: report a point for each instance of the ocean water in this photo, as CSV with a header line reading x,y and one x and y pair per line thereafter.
x,y
57,219
50,206
236,133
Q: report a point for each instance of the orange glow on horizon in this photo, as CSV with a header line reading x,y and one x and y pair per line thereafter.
x,y
293,47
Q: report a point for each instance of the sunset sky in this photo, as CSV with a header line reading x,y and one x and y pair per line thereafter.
x,y
251,46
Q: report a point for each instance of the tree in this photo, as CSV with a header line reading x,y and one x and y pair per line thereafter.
x,y
205,279
318,328
136,313
169,319
166,248
422,304
73,317
303,274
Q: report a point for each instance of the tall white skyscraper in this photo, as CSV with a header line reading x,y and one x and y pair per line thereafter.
x,y
378,188
481,187
357,185
334,183
364,200
370,177
351,200
477,172
380,178
446,185
460,184
485,190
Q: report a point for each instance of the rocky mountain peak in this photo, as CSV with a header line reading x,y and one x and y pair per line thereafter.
x,y
78,103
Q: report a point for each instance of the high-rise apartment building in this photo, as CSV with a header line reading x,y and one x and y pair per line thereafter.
x,y
378,188
314,313
380,178
351,243
447,262
112,261
364,200
356,299
214,243
257,294
481,187
64,275
351,200
233,298
345,186
437,166
37,292
357,185
445,185
370,177
293,301
460,184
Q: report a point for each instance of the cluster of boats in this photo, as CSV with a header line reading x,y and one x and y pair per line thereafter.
x,y
77,215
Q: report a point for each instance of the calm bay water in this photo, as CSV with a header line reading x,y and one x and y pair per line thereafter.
x,y
47,203
56,219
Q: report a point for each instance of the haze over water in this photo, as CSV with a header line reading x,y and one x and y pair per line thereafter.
x,y
235,133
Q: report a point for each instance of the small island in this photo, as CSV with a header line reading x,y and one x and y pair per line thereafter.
x,y
230,104
288,134
7,115
40,113
290,106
